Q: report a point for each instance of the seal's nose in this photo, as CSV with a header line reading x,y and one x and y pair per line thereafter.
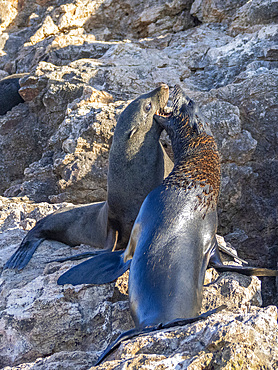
x,y
164,86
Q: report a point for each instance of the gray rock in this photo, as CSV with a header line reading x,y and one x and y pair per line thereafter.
x,y
39,318
214,10
78,54
20,135
254,95
254,13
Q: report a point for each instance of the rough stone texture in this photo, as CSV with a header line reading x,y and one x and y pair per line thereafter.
x,y
217,11
86,60
225,341
74,135
71,325
254,13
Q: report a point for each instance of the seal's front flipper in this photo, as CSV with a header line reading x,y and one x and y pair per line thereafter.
x,y
101,269
23,254
231,254
215,255
215,262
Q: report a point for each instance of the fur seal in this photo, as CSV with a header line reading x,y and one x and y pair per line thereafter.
x,y
135,154
9,96
173,236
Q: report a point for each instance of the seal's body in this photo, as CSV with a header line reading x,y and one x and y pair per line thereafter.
x,y
135,153
137,161
175,228
168,267
173,235
9,96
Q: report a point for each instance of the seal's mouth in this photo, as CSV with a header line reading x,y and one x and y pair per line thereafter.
x,y
178,99
164,112
162,115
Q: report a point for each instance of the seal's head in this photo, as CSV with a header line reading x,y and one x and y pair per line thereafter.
x,y
197,162
185,115
138,117
185,123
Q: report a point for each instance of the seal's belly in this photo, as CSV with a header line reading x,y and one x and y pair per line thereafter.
x,y
168,266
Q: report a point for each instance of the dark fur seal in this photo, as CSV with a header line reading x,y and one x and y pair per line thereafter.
x,y
9,96
137,164
173,237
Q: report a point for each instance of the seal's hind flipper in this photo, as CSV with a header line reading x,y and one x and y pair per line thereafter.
x,y
245,270
23,254
101,269
137,331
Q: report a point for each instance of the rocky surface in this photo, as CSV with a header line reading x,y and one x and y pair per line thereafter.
x,y
86,60
43,325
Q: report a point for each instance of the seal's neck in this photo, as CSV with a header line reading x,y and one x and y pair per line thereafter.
x,y
197,164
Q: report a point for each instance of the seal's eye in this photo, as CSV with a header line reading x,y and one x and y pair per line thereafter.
x,y
147,107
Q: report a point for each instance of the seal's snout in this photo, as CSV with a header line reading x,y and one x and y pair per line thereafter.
x,y
162,111
163,95
164,86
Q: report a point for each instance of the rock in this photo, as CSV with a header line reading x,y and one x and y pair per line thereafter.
x,y
254,96
8,12
65,155
78,55
34,309
235,144
26,128
134,19
225,340
76,360
253,14
214,10
20,135
47,29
